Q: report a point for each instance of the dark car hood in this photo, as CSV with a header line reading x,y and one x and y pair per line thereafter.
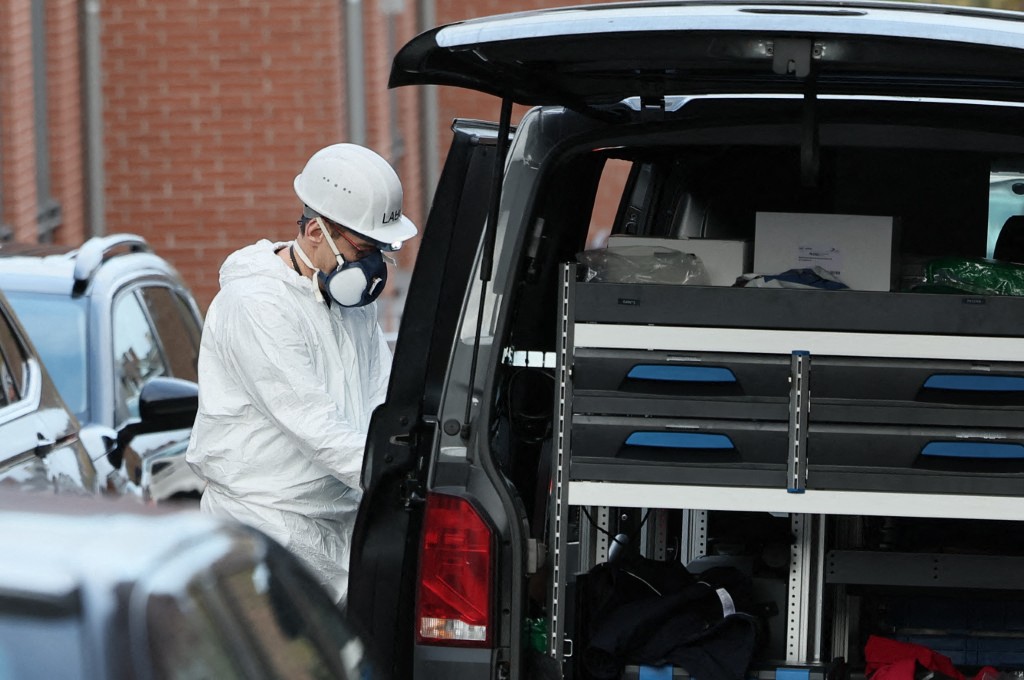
x,y
590,56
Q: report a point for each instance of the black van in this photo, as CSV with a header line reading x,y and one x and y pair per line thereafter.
x,y
764,417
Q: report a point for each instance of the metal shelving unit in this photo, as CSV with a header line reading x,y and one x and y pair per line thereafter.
x,y
712,477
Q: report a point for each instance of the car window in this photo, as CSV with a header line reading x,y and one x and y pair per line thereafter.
x,y
278,628
137,356
238,618
29,636
64,354
183,639
13,367
300,632
177,329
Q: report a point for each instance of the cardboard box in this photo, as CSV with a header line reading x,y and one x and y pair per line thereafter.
x,y
724,259
859,250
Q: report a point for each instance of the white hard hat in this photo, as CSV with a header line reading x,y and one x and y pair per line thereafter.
x,y
355,187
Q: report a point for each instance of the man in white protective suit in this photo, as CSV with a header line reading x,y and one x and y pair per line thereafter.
x,y
293,362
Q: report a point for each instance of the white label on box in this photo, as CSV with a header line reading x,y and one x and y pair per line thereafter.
x,y
829,258
859,250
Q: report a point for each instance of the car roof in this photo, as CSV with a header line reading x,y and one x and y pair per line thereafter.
x,y
65,270
52,545
593,56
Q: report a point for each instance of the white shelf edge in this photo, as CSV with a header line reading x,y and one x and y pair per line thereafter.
x,y
890,345
815,502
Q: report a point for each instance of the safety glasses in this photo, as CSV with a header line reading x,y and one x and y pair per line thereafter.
x,y
361,250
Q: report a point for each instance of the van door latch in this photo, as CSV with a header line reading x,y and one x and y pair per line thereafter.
x,y
793,56
412,493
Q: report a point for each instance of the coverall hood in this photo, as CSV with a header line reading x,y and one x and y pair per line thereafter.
x,y
287,387
259,259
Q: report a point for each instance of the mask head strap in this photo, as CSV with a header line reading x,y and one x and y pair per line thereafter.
x,y
330,241
297,249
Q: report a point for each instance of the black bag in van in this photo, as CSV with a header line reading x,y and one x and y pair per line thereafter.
x,y
648,612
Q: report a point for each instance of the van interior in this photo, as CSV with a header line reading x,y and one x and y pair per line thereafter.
x,y
947,183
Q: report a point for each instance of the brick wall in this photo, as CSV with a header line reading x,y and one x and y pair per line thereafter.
x,y
17,122
18,162
64,100
393,129
211,108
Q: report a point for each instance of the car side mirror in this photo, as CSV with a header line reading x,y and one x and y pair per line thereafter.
x,y
164,404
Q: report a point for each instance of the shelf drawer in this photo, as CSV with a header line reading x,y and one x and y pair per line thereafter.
x,y
679,450
955,383
681,374
750,376
926,459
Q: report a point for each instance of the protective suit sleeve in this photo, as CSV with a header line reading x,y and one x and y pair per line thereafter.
x,y
265,347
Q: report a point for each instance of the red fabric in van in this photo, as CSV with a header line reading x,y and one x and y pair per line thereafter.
x,y
887,659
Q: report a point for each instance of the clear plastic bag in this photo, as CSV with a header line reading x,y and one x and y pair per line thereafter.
x,y
642,264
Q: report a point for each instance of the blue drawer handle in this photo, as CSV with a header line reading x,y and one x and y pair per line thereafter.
x,y
680,440
705,374
991,451
975,383
655,673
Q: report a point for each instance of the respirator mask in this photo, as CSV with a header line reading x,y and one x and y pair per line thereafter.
x,y
350,284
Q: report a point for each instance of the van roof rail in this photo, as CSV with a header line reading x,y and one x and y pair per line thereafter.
x,y
98,250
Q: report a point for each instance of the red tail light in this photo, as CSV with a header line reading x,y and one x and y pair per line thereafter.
x,y
453,603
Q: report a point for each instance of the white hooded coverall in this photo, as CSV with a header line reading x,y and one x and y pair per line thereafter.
x,y
286,389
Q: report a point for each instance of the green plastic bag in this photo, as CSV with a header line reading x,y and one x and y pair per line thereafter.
x,y
978,276
536,634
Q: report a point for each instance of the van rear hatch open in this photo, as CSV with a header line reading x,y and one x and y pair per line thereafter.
x,y
597,55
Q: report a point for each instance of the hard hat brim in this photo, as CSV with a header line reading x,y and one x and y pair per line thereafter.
x,y
390,238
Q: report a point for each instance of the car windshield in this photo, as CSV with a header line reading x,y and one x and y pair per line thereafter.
x,y
57,326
